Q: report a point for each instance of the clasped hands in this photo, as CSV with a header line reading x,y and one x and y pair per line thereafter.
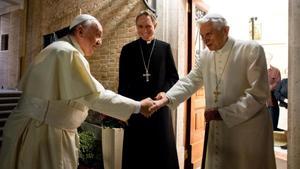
x,y
149,106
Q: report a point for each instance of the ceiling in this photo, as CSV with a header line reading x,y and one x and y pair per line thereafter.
x,y
7,6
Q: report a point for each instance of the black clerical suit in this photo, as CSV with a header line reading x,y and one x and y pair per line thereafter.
x,y
149,143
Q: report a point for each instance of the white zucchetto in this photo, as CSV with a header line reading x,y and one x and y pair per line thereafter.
x,y
81,18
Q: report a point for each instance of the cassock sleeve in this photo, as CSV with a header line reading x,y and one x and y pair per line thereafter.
x,y
124,72
171,71
255,96
186,86
111,104
108,102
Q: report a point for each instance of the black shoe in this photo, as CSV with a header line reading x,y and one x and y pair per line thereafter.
x,y
278,129
284,147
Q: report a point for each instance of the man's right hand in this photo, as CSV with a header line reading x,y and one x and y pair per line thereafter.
x,y
145,107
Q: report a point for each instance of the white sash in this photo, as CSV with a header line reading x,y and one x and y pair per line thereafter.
x,y
59,114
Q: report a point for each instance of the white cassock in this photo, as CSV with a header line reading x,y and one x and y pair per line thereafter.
x,y
58,89
244,139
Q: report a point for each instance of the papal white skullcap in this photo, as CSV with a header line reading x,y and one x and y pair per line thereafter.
x,y
81,18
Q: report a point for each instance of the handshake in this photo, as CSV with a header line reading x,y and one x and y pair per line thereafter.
x,y
149,106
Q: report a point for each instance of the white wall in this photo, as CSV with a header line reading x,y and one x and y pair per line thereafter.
x,y
273,16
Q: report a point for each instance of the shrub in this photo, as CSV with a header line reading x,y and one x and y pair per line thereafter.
x,y
90,151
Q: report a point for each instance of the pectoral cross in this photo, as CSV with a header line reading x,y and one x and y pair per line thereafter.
x,y
147,75
216,93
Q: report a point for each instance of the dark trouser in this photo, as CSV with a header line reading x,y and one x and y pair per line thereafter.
x,y
274,112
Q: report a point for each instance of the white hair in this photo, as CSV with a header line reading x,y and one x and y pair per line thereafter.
x,y
218,20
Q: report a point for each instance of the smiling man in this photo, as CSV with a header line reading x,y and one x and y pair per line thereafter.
x,y
147,67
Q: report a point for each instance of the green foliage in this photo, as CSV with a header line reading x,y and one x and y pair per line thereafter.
x,y
90,154
90,150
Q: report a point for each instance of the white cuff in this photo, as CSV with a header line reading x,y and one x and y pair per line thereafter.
x,y
138,108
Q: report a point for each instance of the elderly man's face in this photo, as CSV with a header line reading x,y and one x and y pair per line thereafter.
x,y
90,37
213,37
145,27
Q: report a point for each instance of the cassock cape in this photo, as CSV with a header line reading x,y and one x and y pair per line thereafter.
x,y
58,89
148,143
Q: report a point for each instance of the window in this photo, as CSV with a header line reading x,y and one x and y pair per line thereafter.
x,y
49,38
4,42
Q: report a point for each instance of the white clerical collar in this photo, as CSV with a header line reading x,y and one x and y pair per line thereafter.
x,y
227,47
76,45
148,41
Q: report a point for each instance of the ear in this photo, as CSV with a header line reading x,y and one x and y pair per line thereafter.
x,y
226,30
80,30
